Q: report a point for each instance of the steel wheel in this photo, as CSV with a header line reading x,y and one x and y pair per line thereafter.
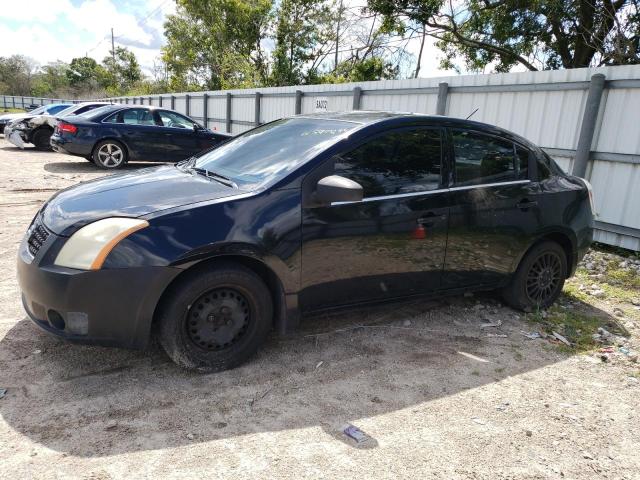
x,y
110,155
544,277
218,319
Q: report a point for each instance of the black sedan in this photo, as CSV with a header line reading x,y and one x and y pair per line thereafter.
x,y
301,214
115,134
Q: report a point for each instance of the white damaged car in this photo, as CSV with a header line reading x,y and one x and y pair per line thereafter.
x,y
37,129
51,109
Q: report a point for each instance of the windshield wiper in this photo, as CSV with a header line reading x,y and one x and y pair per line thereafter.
x,y
215,176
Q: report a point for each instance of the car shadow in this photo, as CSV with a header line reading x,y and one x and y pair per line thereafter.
x,y
85,166
339,368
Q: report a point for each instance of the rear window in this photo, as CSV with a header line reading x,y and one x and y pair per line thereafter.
x,y
96,112
482,159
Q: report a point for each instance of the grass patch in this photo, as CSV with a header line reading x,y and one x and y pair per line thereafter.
x,y
624,278
12,110
577,327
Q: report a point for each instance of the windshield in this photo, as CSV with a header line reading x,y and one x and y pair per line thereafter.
x,y
96,112
270,152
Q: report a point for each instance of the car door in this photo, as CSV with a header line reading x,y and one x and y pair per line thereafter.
x,y
390,244
181,135
494,211
142,135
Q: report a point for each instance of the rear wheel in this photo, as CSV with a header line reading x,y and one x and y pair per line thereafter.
x,y
214,320
539,279
109,154
41,139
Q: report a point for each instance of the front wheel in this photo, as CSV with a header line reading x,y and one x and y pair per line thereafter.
x,y
41,138
109,154
539,279
215,319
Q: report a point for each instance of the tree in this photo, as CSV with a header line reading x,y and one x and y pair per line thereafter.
x,y
83,72
538,34
216,44
304,33
120,71
16,74
51,80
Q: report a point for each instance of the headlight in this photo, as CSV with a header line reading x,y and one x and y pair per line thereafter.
x,y
88,247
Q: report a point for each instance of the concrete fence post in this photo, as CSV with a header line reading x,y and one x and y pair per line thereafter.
x,y
13,101
228,113
588,127
23,103
187,104
173,102
256,111
357,93
443,92
298,107
159,100
205,109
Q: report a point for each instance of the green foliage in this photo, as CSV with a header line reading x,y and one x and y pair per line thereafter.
x,y
16,75
372,68
51,78
302,26
216,44
121,71
539,34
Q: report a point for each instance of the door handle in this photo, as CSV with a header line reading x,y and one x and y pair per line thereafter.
x,y
525,204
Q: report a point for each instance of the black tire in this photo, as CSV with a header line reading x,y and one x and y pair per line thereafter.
x,y
539,279
199,334
109,154
41,138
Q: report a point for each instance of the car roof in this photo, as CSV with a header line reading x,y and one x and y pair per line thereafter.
x,y
398,119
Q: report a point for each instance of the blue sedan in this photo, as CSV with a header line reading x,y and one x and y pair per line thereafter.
x,y
112,135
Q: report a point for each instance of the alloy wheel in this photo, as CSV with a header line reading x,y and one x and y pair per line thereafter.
x,y
544,277
110,155
218,319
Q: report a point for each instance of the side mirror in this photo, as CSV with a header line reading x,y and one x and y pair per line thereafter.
x,y
197,127
335,188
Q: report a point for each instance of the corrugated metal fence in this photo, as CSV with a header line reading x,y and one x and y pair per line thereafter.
x,y
587,119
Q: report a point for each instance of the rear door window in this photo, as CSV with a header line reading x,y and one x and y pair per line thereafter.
x,y
138,116
174,120
482,159
397,162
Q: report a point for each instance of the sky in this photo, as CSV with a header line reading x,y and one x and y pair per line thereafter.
x,y
51,30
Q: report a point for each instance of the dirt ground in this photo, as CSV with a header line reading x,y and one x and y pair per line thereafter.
x,y
439,393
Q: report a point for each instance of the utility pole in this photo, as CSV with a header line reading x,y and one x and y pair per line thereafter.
x,y
113,49
335,64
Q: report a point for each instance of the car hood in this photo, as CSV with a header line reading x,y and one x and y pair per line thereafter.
x,y
129,195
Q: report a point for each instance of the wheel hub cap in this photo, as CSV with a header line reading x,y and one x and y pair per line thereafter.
x,y
218,319
543,277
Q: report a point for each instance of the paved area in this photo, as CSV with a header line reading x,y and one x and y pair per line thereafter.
x,y
438,392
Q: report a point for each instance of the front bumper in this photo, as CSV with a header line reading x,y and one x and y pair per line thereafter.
x,y
110,307
14,136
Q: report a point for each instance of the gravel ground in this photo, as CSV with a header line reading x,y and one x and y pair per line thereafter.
x,y
438,393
